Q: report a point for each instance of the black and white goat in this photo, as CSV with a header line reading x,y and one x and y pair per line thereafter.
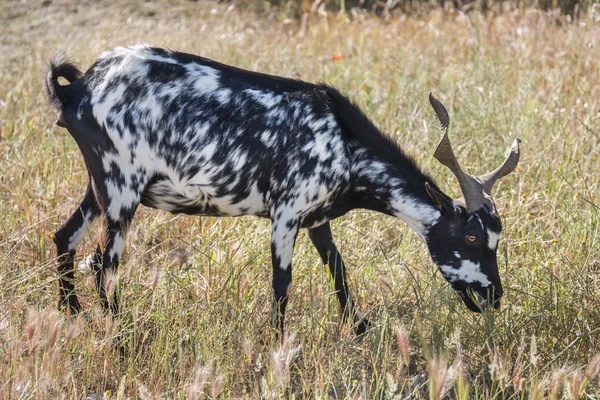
x,y
185,134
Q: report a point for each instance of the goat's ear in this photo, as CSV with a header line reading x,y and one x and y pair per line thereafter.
x,y
440,201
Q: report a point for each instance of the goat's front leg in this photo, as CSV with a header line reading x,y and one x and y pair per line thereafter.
x,y
323,242
67,238
283,237
114,244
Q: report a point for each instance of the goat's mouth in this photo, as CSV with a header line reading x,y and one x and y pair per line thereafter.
x,y
477,302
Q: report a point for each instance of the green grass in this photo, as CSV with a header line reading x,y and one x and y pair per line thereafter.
x,y
196,297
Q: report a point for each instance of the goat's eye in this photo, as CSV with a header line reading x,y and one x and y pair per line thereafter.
x,y
472,238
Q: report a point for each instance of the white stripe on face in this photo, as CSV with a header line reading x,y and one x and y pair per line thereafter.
x,y
493,239
480,221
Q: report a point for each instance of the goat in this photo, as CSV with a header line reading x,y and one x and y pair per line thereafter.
x,y
185,134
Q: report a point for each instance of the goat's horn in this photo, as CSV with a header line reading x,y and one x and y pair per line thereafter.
x,y
471,189
510,163
441,113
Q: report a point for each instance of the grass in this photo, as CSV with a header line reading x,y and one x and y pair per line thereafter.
x,y
196,291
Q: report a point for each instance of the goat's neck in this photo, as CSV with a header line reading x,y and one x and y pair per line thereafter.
x,y
393,190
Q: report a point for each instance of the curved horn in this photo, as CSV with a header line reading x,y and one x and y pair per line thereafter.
x,y
510,163
441,113
470,187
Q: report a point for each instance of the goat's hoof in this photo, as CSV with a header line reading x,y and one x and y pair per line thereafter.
x,y
362,326
69,305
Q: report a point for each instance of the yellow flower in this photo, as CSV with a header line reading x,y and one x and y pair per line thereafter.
x,y
576,195
522,244
20,263
579,316
554,240
529,216
51,236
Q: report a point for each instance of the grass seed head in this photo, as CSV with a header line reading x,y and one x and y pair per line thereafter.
x,y
281,360
402,339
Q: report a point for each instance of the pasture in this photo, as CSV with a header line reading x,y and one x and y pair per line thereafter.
x,y
195,291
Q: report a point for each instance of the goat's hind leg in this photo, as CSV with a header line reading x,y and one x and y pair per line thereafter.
x,y
67,238
117,224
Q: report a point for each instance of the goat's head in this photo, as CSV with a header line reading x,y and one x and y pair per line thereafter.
x,y
463,241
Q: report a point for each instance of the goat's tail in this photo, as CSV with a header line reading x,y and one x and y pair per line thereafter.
x,y
59,66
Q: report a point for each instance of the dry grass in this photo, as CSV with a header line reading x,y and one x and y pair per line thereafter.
x,y
195,291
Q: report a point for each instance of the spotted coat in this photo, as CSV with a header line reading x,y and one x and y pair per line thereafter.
x,y
185,134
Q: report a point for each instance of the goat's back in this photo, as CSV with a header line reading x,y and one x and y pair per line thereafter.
x,y
201,137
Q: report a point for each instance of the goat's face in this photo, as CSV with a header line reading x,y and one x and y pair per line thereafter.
x,y
463,246
463,241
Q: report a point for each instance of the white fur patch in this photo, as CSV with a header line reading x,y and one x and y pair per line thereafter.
x,y
117,247
267,99
418,216
493,239
468,272
207,81
283,238
85,265
79,234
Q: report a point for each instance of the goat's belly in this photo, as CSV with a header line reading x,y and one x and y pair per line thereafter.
x,y
202,200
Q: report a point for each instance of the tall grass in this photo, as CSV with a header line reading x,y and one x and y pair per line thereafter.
x,y
571,9
196,291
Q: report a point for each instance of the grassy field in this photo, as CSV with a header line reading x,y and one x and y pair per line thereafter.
x,y
196,297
